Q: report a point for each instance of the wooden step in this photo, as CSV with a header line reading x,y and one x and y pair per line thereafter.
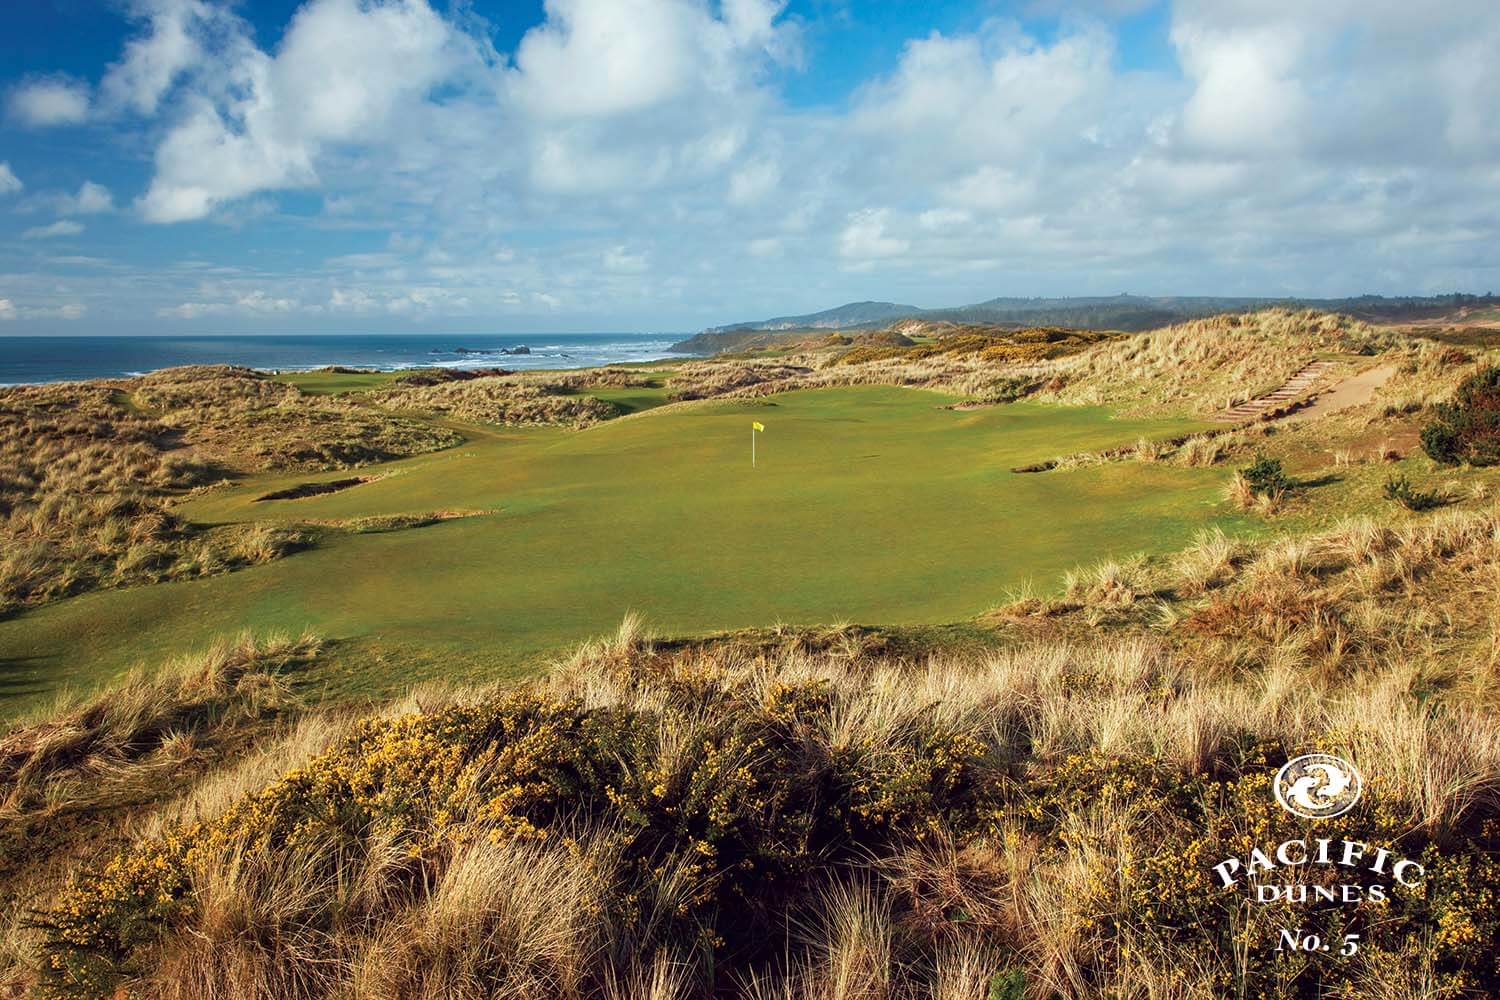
x,y
1293,388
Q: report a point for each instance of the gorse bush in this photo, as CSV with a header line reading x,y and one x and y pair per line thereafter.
x,y
711,830
1467,429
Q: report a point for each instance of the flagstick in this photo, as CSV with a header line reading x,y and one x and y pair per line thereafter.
x,y
752,447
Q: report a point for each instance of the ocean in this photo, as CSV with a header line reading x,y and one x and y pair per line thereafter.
x,y
56,359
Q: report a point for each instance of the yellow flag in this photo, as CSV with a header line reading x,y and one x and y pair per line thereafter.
x,y
757,425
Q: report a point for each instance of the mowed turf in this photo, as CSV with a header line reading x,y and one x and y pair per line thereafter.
x,y
868,504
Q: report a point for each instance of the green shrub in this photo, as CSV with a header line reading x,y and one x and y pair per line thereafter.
x,y
1400,490
1468,428
1266,477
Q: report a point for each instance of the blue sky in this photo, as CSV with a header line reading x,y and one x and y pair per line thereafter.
x,y
190,166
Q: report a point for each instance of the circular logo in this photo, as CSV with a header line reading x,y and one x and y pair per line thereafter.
x,y
1318,786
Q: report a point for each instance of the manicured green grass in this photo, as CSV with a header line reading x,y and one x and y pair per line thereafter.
x,y
322,383
634,399
868,504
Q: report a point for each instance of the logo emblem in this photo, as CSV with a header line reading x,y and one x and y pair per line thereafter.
x,y
1318,786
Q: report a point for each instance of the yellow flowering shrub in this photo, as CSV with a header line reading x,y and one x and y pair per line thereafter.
x,y
756,808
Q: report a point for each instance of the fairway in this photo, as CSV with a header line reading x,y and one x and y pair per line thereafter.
x,y
869,504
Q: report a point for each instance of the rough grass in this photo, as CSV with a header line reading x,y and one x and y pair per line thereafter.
x,y
515,399
821,817
244,419
1201,366
75,778
90,473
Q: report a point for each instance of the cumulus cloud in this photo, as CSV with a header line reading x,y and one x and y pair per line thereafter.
x,y
1340,81
50,101
865,237
7,309
155,60
63,227
90,199
629,155
9,182
621,260
752,182
257,122
605,57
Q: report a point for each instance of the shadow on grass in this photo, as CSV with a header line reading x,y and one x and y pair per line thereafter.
x,y
21,678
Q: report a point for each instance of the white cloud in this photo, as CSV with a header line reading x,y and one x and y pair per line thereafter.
x,y
260,122
9,182
63,227
91,199
154,61
620,260
753,182
865,238
939,219
68,310
765,247
607,57
1248,99
255,302
1340,81
193,310
994,95
51,101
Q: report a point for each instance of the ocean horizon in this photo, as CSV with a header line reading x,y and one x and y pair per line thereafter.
x,y
33,359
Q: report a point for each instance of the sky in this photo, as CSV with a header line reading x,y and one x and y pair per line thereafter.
x,y
212,166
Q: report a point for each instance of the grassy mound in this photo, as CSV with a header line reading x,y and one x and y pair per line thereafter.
x,y
85,496
990,344
1202,366
90,473
511,399
241,418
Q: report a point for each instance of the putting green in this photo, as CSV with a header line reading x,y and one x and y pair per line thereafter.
x,y
869,504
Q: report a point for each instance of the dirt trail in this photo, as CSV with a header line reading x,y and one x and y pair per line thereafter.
x,y
1288,392
1351,392
1341,395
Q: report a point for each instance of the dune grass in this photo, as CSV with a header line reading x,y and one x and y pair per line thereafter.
x,y
869,503
822,818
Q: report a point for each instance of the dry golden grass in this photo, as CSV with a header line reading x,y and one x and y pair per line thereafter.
x,y
540,398
1121,757
1199,366
89,471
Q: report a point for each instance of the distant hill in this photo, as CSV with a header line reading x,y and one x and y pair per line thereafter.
x,y
1112,312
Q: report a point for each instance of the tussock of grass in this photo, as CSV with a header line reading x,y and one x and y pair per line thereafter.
x,y
121,746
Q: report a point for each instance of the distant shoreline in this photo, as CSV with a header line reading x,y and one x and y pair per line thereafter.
x,y
34,360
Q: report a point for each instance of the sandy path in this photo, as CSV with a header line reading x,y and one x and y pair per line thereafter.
x,y
1352,391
